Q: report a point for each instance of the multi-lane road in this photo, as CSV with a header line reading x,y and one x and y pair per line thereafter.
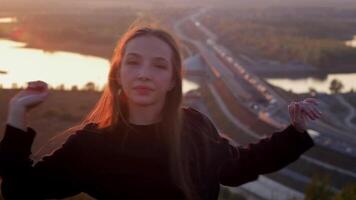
x,y
263,110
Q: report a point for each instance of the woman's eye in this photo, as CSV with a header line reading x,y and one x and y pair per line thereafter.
x,y
132,62
161,66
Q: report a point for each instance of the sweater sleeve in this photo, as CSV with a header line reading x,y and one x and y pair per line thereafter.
x,y
242,164
237,165
52,177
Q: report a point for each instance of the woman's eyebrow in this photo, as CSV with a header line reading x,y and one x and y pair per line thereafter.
x,y
161,59
134,54
155,58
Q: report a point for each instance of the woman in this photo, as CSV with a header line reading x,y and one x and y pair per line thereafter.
x,y
138,142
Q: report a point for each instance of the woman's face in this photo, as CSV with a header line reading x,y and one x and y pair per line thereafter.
x,y
146,71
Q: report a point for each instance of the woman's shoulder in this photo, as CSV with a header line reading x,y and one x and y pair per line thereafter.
x,y
89,133
193,114
73,141
199,122
197,117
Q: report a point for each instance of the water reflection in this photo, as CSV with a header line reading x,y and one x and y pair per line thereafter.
x,y
25,64
21,65
303,85
6,20
352,43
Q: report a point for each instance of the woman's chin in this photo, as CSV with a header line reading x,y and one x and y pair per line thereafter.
x,y
143,101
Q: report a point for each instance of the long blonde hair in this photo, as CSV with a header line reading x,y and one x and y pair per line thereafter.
x,y
111,109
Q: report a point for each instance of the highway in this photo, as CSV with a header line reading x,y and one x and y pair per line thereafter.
x,y
239,92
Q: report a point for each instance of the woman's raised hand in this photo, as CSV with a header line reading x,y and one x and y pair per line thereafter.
x,y
302,112
35,93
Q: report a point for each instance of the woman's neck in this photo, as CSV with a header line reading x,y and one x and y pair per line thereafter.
x,y
144,115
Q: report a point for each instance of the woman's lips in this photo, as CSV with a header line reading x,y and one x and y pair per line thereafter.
x,y
143,91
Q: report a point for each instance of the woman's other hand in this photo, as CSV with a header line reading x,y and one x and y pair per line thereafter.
x,y
302,112
35,93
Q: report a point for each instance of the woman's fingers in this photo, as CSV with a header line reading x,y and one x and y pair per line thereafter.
x,y
30,99
297,112
290,110
298,116
316,111
311,109
312,101
303,111
293,111
35,93
38,86
307,112
301,114
301,118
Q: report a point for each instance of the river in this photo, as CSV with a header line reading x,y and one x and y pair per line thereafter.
x,y
18,65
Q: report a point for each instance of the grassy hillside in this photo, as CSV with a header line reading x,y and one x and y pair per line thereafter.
x,y
60,111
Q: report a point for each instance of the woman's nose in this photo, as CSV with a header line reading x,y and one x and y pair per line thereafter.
x,y
144,73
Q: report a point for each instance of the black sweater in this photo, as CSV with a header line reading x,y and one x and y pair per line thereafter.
x,y
95,164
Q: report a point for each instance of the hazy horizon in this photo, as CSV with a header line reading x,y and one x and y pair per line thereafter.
x,y
182,3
